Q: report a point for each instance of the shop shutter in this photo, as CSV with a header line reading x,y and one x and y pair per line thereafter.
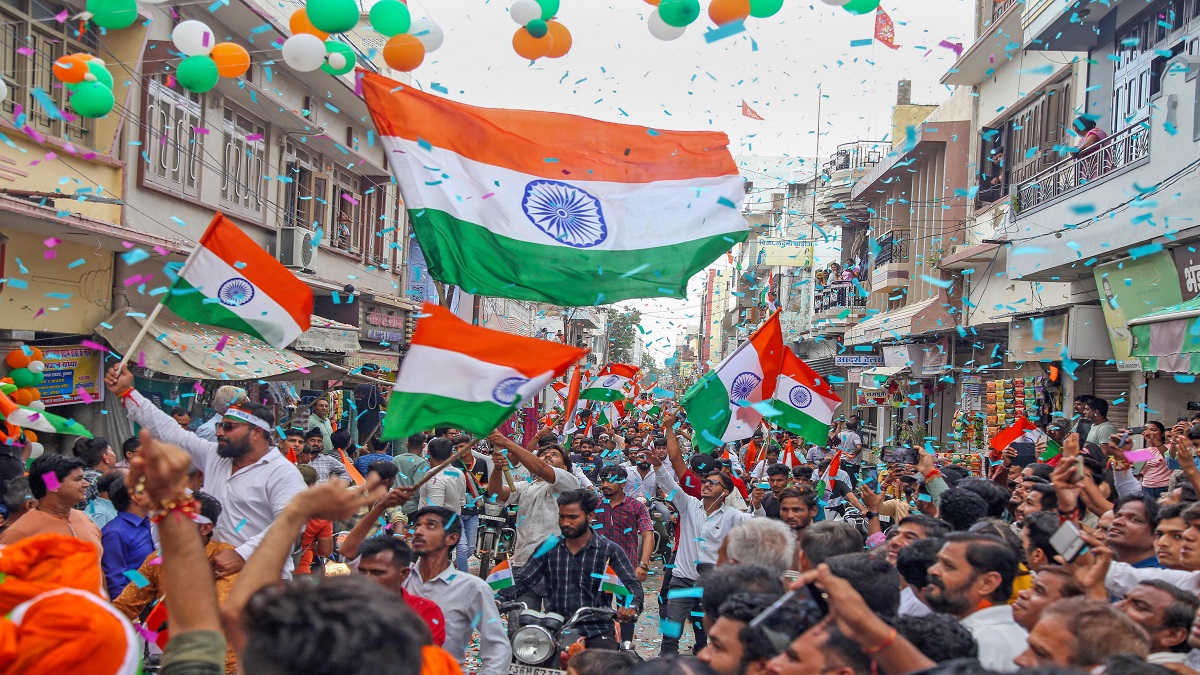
x,y
1111,385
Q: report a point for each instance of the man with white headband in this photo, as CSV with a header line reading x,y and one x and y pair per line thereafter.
x,y
251,480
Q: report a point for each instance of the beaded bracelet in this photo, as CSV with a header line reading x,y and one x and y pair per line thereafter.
x,y
188,505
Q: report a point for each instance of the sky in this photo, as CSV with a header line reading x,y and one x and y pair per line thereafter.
x,y
781,66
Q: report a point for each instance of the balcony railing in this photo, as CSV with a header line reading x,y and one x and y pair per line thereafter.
x,y
1107,157
999,7
856,156
839,295
892,249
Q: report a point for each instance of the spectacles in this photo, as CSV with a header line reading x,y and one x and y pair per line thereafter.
x,y
715,483
230,426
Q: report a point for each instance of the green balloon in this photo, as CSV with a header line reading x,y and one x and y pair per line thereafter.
x,y
538,28
679,13
197,74
23,377
390,17
764,8
101,72
8,388
549,9
333,16
335,49
856,6
113,14
90,99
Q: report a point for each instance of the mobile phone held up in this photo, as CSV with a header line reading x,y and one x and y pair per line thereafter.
x,y
1067,542
785,620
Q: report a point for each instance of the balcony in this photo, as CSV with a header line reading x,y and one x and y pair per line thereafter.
x,y
849,163
1114,155
892,266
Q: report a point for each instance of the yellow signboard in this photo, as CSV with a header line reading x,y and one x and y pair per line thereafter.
x,y
69,370
783,253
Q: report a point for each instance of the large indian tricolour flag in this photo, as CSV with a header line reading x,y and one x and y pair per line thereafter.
x,y
806,401
720,406
468,377
232,282
614,383
556,208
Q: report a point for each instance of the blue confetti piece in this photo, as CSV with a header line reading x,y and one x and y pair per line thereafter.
x,y
865,42
693,592
547,545
47,103
136,578
240,526
728,30
671,629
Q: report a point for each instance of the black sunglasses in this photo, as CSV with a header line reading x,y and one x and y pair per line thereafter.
x,y
230,426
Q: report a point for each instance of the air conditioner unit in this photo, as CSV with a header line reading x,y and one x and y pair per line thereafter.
x,y
297,247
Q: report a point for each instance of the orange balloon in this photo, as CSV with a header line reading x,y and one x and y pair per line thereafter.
x,y
561,37
22,397
30,436
232,59
17,359
33,392
36,354
528,47
727,11
652,2
299,23
71,68
403,52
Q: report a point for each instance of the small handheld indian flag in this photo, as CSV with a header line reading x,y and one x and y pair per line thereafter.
x,y
830,478
500,577
611,583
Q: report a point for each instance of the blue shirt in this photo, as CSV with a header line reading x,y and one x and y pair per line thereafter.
x,y
127,541
101,511
366,460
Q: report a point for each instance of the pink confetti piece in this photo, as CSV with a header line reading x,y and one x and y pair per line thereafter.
x,y
141,360
347,197
49,254
50,156
156,561
222,342
1139,455
52,241
489,195
92,345
51,481
128,244
358,80
161,251
83,394
40,312
146,633
254,137
25,51
204,39
61,16
203,131
198,388
955,47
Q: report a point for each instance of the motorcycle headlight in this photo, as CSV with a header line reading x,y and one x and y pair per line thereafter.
x,y
532,644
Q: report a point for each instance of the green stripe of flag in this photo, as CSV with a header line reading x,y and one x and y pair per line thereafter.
x,y
427,411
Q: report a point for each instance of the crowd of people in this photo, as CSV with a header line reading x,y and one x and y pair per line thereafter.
x,y
249,551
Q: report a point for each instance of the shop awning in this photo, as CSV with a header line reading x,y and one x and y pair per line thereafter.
x,y
189,350
328,336
1169,339
917,318
873,378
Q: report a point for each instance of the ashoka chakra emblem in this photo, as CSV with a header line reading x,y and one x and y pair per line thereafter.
x,y
506,392
800,397
743,384
565,212
235,292
610,381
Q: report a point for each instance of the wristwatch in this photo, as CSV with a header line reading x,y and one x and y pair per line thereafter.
x,y
871,515
643,566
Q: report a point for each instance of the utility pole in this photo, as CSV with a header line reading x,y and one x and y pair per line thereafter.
x,y
812,231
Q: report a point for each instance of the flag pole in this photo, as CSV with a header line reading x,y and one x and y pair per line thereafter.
x,y
140,336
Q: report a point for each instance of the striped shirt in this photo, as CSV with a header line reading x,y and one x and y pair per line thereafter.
x,y
326,465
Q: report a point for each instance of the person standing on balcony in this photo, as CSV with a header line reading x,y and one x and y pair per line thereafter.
x,y
1089,134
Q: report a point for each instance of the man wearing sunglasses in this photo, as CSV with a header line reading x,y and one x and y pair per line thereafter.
x,y
247,475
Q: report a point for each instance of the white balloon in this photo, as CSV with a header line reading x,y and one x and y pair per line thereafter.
x,y
304,53
430,34
194,38
36,366
337,60
38,405
835,3
3,90
524,11
36,450
664,31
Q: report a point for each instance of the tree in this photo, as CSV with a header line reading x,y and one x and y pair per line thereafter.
x,y
652,374
621,334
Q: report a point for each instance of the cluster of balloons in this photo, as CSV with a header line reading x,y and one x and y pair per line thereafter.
x,y
205,60
89,82
855,6
21,385
114,14
672,17
409,40
539,35
310,48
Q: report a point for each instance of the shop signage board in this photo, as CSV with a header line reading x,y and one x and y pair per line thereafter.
x,y
972,396
1130,289
783,253
69,369
381,323
858,360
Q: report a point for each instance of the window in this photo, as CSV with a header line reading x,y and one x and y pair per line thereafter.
x,y
381,223
304,190
243,165
172,150
31,39
1033,132
349,214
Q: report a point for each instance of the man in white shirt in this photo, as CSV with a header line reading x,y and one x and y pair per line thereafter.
x,y
447,489
467,601
851,445
703,525
972,581
537,501
639,476
242,470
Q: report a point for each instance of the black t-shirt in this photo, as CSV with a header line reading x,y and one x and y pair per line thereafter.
x,y
771,505
590,467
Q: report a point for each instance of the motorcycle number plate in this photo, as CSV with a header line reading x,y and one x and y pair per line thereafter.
x,y
522,669
493,519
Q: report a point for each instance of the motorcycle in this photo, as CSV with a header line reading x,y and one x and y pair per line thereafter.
x,y
496,537
543,642
662,514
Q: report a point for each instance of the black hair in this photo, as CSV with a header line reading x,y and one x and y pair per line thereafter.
x,y
603,662
995,496
673,665
402,553
90,450
461,438
441,431
588,440
381,446
340,439
1039,527
962,508
440,449
1085,124
130,445
416,442
940,637
177,411
802,471
847,651
1096,403
719,583
1147,502
566,456
293,431
16,493
934,527
778,470
874,579
988,553
1168,511
1035,480
120,495
209,506
60,465
613,474
341,625
1128,664
726,480
830,538
105,482
387,470
913,561
1048,493
586,499
314,433
450,520
805,495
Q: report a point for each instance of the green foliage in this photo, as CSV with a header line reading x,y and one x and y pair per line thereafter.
x,y
622,327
